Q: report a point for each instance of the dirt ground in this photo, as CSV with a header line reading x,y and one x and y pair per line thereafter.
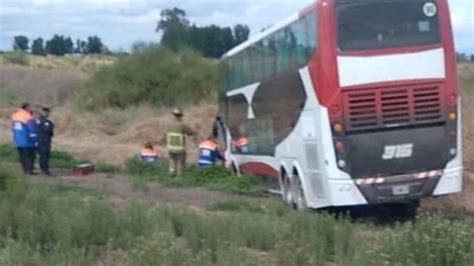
x,y
121,192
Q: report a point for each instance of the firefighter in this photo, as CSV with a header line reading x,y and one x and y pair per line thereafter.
x,y
149,154
176,142
25,137
45,137
209,152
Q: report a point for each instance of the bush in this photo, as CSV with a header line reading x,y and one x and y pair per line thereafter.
x,y
17,57
153,75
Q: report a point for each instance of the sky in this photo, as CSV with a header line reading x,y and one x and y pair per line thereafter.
x,y
120,23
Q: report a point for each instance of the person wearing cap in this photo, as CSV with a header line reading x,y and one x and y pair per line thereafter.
x,y
176,142
24,134
45,137
209,153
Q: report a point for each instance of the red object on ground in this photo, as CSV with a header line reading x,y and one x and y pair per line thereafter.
x,y
83,170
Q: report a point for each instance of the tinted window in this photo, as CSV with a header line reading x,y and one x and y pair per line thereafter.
x,y
375,24
298,43
285,50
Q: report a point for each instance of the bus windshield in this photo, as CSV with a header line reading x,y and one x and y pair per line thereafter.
x,y
376,24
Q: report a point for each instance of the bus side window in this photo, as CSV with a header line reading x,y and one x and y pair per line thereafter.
x,y
298,43
260,62
311,33
283,55
269,54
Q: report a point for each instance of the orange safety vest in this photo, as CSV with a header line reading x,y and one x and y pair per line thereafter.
x,y
149,155
241,142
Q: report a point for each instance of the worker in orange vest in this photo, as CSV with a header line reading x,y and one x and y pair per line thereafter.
x,y
149,154
241,145
25,137
209,152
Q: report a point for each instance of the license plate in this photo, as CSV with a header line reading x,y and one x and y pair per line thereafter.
x,y
401,190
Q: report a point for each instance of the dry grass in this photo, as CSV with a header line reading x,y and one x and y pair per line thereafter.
x,y
116,135
40,86
88,63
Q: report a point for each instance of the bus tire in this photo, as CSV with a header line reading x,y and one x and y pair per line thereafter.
x,y
287,189
299,202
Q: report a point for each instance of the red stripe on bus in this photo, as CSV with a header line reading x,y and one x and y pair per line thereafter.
x,y
259,169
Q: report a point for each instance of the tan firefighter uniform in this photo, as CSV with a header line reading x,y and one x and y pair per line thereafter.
x,y
176,143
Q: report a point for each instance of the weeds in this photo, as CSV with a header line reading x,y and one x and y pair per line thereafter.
x,y
44,225
217,178
153,75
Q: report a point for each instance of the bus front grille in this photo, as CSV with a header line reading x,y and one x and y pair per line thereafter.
x,y
392,107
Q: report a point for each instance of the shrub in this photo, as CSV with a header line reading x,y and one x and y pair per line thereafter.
x,y
153,75
17,57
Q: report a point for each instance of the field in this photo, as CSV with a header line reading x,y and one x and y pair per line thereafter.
x,y
128,214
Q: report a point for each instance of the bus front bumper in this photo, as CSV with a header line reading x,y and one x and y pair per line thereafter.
x,y
396,188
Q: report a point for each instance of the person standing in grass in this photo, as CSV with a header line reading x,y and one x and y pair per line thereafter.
x,y
25,137
176,142
45,137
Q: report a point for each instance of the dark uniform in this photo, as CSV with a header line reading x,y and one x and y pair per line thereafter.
x,y
45,136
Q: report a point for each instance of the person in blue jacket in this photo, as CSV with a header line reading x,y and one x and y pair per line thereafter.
x,y
25,137
209,152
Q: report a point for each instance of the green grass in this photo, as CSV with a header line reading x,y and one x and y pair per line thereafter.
x,y
154,75
58,159
217,178
16,57
56,225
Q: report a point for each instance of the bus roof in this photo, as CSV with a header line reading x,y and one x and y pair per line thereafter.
x,y
260,36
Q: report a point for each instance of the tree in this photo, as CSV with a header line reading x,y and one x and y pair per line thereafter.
x,y
211,41
241,33
172,18
21,43
472,58
94,45
56,46
174,25
68,46
37,47
78,48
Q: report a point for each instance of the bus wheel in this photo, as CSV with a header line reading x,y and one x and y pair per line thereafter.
x,y
299,199
287,190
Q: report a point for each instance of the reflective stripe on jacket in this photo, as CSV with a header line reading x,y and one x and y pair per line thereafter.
x,y
208,153
23,129
149,155
242,145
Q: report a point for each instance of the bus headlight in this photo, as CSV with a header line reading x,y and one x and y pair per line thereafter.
x,y
342,163
453,151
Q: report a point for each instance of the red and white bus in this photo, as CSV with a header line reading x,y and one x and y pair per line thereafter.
x,y
348,103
